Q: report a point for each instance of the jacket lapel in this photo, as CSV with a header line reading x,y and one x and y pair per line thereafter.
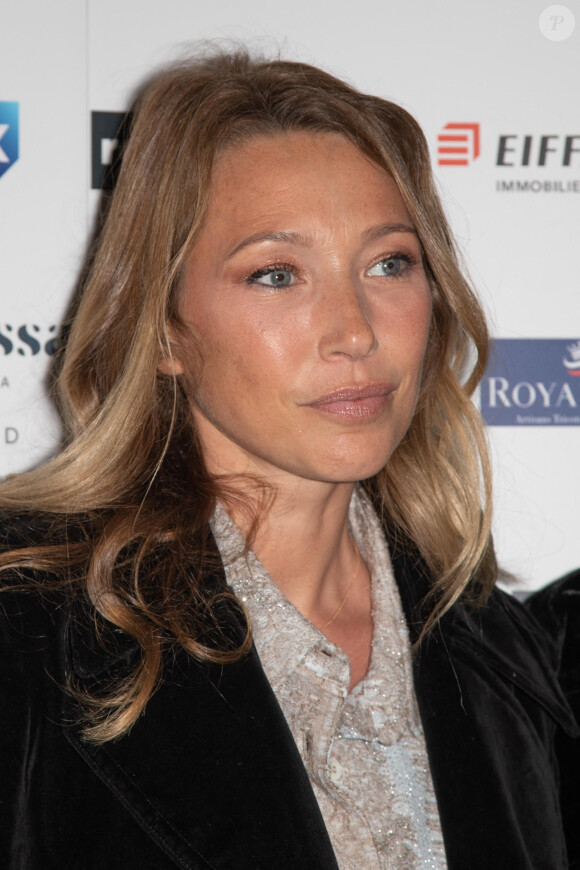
x,y
210,771
489,705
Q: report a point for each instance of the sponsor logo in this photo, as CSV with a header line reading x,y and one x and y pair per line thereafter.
x,y
458,144
550,156
8,135
105,135
532,382
572,362
28,339
548,150
536,185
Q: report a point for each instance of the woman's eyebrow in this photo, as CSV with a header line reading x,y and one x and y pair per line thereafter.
x,y
292,238
385,229
299,239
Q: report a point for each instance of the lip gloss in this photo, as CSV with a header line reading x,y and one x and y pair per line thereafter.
x,y
354,403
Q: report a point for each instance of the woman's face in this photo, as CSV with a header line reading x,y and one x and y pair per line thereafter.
x,y
307,295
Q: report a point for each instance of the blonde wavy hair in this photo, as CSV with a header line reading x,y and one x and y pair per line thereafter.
x,y
129,497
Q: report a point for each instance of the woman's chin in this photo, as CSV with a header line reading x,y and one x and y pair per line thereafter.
x,y
346,470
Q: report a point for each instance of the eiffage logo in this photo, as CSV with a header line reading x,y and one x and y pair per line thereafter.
x,y
458,145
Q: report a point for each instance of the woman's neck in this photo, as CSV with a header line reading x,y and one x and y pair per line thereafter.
x,y
307,549
304,544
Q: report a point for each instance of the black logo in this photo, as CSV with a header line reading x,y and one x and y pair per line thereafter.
x,y
106,135
548,150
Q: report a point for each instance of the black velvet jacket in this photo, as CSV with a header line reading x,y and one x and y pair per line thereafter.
x,y
210,776
558,608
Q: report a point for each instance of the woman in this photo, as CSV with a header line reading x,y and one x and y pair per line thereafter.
x,y
267,393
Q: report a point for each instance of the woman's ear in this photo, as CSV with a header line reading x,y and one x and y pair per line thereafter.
x,y
171,362
171,365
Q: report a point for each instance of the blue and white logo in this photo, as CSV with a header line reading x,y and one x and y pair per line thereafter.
x,y
532,382
8,135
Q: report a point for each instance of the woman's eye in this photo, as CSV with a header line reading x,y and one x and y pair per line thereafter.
x,y
273,276
388,266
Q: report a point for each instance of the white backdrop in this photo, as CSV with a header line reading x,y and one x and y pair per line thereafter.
x,y
447,62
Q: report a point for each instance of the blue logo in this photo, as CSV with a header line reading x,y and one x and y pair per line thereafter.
x,y
8,135
532,382
27,340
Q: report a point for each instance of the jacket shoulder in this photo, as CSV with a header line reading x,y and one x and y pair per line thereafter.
x,y
500,638
37,606
557,608
28,594
517,646
19,530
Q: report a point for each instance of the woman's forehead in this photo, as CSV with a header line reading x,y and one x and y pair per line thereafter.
x,y
267,168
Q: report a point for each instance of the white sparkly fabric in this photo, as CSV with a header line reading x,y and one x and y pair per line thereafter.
x,y
364,751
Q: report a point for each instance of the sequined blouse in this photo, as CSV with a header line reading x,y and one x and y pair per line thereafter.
x,y
364,751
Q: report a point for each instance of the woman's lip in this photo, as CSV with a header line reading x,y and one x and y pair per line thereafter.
x,y
354,402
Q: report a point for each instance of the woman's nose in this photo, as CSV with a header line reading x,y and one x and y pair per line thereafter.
x,y
346,323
